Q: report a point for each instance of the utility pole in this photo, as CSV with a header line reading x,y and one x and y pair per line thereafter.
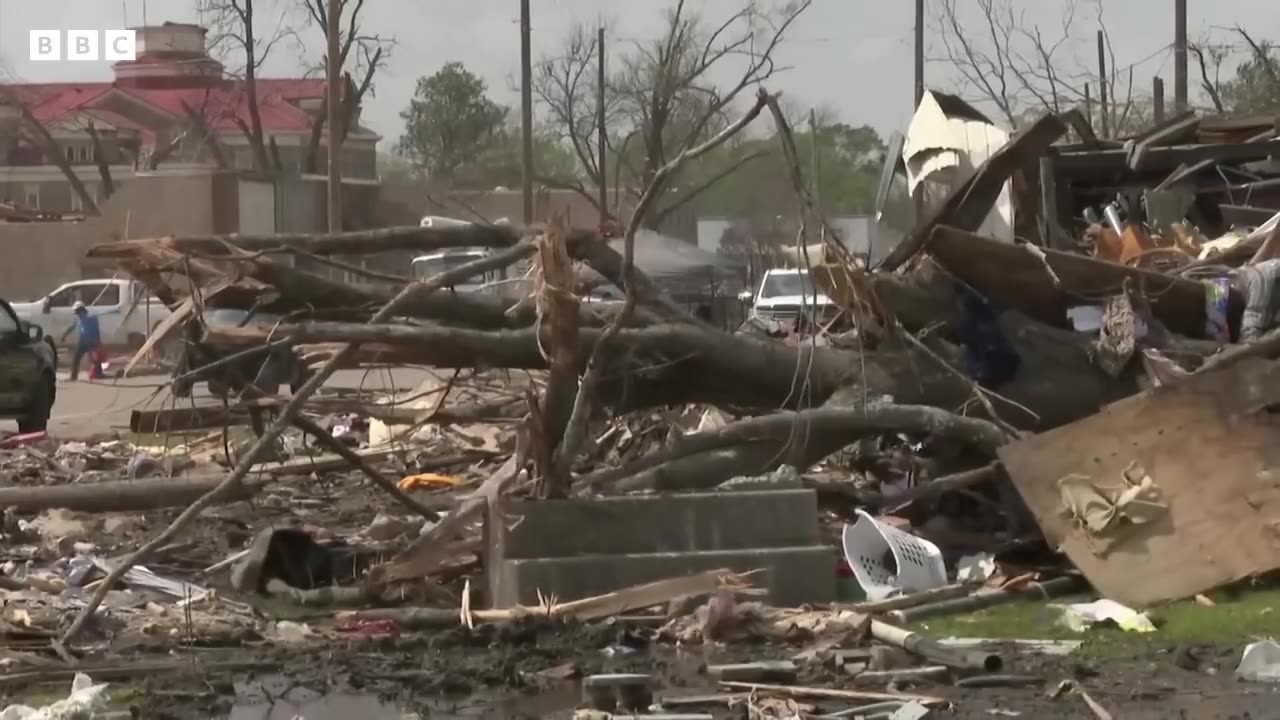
x,y
526,113
918,200
1102,85
334,119
603,134
1088,106
1180,55
919,51
813,168
1157,99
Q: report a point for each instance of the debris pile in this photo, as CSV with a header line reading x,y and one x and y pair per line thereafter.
x,y
986,406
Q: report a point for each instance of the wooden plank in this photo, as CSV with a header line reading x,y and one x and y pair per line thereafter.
x,y
970,202
1180,129
1246,215
1169,157
1012,276
1215,454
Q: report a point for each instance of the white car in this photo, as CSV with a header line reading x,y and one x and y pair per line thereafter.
x,y
127,313
785,293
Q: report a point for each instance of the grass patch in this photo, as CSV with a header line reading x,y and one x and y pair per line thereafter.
x,y
1235,619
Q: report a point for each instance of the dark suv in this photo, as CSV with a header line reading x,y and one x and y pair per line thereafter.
x,y
28,365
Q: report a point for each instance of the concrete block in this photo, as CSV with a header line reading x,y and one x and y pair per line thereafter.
x,y
796,575
695,522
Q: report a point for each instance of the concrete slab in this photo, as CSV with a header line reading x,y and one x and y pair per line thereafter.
x,y
660,524
796,575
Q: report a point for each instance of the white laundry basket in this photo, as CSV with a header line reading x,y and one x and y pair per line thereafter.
x,y
866,544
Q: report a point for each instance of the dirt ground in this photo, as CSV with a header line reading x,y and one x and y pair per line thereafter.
x,y
494,672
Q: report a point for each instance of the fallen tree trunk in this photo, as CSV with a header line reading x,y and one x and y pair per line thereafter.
x,y
679,363
701,460
122,496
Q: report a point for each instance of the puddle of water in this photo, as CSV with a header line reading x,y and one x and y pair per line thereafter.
x,y
334,706
275,697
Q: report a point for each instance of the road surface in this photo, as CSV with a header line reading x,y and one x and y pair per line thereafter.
x,y
86,409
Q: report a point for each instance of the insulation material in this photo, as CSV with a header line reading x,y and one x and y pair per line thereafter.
x,y
946,143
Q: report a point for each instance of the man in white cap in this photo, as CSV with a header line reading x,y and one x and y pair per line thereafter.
x,y
90,337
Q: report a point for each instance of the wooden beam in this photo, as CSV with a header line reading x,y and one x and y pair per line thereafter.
x,y
1161,157
1180,129
1246,215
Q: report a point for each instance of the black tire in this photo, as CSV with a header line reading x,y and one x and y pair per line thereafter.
x,y
37,419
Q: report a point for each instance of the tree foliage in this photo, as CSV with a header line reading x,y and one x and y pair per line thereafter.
x,y
1256,85
849,163
499,162
450,122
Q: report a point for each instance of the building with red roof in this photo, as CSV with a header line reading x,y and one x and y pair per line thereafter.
x,y
149,107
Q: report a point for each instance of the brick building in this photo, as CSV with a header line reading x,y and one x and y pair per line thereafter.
x,y
145,107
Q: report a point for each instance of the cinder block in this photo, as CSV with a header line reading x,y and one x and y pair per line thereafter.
x,y
660,524
796,575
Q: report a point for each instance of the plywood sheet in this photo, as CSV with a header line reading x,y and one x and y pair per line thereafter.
x,y
1214,451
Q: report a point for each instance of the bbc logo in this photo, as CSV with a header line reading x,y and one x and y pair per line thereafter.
x,y
83,45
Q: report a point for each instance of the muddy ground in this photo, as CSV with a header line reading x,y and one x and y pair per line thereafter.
x,y
514,671
241,657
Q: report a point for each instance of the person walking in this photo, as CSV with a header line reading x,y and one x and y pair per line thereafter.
x,y
88,343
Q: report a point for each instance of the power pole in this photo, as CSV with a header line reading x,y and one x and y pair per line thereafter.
x,y
603,136
526,113
1102,85
919,51
813,168
918,201
1157,99
334,119
1180,55
1088,106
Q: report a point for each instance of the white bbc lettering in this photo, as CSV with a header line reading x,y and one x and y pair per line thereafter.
x,y
46,44
121,45
82,44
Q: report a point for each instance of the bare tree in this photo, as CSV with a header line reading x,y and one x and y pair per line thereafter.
x,y
1021,68
361,52
662,97
568,88
242,29
1207,55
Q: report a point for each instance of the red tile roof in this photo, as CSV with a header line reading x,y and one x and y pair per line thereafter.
x,y
221,104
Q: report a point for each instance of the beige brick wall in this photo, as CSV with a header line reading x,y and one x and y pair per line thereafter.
x,y
36,257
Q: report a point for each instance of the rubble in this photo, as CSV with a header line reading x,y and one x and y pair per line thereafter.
x,y
634,473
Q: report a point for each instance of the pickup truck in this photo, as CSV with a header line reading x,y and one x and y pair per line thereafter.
x,y
126,311
785,295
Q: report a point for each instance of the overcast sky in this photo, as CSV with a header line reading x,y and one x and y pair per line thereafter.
x,y
853,56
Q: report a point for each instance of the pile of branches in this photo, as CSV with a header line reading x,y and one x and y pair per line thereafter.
x,y
795,404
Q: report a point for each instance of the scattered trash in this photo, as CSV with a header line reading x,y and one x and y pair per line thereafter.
x,y
1081,616
1260,662
887,561
1019,400
976,569
83,702
427,480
